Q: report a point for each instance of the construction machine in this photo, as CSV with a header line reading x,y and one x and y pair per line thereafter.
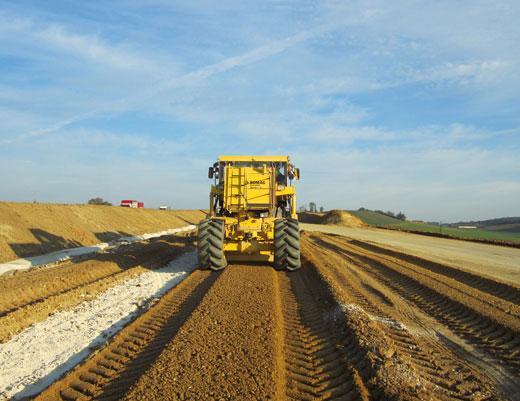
x,y
252,213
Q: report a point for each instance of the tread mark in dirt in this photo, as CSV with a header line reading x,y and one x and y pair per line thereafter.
x,y
404,342
113,370
501,290
497,341
317,366
71,277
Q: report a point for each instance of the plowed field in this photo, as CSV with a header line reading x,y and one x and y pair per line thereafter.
x,y
357,322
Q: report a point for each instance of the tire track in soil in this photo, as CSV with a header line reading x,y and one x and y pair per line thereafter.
x,y
30,287
29,297
498,289
500,341
317,367
274,340
250,332
500,344
110,372
504,307
226,349
379,369
276,344
432,364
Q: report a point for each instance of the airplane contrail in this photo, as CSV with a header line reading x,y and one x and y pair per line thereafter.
x,y
190,78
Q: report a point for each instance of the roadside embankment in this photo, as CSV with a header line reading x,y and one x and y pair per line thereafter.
x,y
30,229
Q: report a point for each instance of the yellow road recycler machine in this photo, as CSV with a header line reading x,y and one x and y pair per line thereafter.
x,y
252,214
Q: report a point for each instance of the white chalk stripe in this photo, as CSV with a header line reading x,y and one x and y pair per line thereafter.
x,y
33,359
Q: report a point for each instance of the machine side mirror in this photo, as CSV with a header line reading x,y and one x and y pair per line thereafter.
x,y
297,173
211,172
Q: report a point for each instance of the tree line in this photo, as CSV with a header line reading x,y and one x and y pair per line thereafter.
x,y
389,213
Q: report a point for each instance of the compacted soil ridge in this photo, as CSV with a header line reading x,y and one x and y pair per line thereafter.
x,y
497,288
226,349
316,362
111,371
407,306
29,297
474,317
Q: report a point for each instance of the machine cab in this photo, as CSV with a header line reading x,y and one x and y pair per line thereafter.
x,y
258,184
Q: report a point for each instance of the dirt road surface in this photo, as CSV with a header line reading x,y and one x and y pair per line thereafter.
x,y
494,261
357,322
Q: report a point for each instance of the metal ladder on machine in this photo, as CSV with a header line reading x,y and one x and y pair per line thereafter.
x,y
238,189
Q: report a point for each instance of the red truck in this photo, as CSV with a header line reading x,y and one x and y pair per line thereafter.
x,y
132,203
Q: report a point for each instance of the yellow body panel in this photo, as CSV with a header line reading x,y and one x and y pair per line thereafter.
x,y
248,188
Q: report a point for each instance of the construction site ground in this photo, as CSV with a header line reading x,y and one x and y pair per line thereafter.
x,y
495,261
372,315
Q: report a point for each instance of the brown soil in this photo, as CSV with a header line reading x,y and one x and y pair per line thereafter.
x,y
450,332
355,323
226,348
30,297
342,218
29,229
109,373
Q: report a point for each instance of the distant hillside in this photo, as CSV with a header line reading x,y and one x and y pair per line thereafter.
x,y
497,232
503,224
375,218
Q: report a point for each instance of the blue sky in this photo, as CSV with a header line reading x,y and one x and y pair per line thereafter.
x,y
401,105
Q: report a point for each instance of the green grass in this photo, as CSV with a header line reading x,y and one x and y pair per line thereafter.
x,y
380,220
374,219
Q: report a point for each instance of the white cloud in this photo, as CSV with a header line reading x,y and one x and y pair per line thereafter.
x,y
55,37
439,184
463,73
92,48
342,84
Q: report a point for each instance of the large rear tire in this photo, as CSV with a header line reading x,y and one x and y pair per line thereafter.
x,y
280,254
210,244
286,244
293,245
202,243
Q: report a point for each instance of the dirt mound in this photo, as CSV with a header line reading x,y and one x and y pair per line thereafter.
x,y
340,217
29,229
333,217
